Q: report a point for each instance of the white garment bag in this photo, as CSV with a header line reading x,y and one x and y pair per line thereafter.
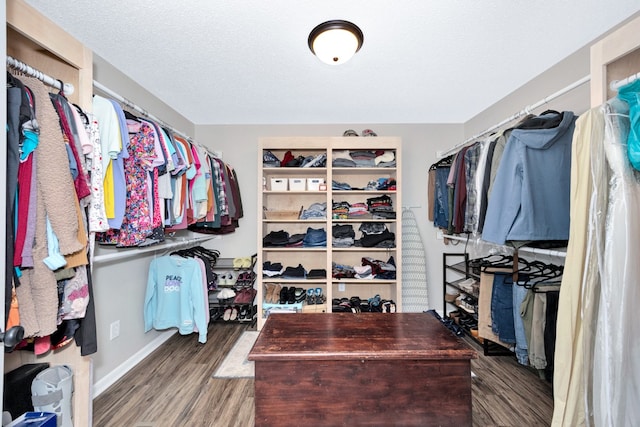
x,y
616,357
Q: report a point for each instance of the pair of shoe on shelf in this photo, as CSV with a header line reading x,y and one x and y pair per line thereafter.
x,y
291,295
226,295
272,293
462,318
242,262
230,314
227,278
246,278
379,305
366,132
243,312
348,305
315,296
245,295
354,304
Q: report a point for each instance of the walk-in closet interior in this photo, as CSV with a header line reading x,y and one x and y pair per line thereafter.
x,y
449,252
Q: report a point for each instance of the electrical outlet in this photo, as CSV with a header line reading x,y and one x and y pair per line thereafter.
x,y
114,330
341,287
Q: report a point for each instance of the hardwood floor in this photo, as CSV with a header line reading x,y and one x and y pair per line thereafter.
x,y
174,387
505,393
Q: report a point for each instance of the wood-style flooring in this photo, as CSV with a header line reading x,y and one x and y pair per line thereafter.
x,y
174,387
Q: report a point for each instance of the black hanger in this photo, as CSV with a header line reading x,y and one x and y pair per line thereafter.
x,y
82,113
537,272
130,116
442,163
503,261
539,122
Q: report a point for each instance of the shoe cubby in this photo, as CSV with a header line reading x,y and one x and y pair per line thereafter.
x,y
292,198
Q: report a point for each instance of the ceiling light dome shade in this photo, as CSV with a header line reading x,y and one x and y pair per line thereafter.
x,y
335,42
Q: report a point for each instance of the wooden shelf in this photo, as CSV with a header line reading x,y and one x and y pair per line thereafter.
x,y
324,257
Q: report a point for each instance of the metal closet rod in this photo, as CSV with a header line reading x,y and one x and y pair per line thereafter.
x,y
617,84
66,88
527,249
526,110
134,252
137,108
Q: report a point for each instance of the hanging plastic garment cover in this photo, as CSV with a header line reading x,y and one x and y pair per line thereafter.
x,y
630,93
616,365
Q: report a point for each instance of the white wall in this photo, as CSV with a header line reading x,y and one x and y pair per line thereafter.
x,y
569,70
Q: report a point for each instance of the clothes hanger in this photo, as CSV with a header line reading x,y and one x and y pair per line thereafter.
x,y
492,260
538,273
442,163
130,116
80,111
539,122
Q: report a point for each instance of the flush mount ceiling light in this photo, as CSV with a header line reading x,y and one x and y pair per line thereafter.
x,y
335,42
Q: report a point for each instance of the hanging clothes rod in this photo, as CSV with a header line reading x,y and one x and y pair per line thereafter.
x,y
526,110
137,108
131,253
66,88
617,84
539,251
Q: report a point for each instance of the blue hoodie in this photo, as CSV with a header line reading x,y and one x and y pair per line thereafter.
x,y
530,195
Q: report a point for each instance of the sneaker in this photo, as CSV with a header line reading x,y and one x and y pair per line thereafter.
x,y
350,132
371,186
269,159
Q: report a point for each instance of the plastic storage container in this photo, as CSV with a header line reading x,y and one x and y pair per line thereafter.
x,y
297,184
279,184
313,184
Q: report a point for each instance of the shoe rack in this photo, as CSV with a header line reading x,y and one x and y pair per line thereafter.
x,y
233,300
460,295
460,291
283,201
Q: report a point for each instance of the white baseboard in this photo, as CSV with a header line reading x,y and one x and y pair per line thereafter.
x,y
113,376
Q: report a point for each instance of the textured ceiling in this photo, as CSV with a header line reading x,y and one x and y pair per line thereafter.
x,y
247,61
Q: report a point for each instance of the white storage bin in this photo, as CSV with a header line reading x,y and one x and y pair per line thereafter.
x,y
278,184
313,184
297,184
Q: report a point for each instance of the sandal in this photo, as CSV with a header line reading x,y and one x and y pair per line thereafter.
x,y
227,314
